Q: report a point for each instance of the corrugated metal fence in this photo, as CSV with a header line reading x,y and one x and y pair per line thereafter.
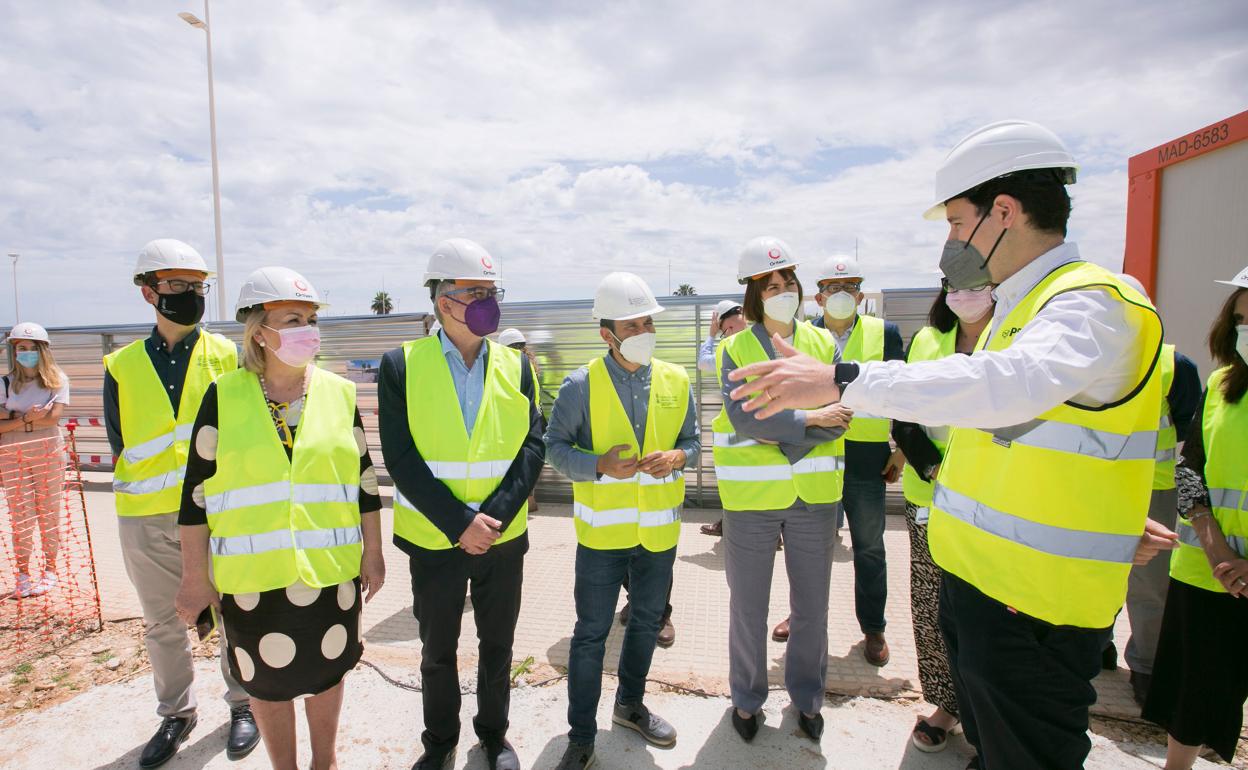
x,y
561,334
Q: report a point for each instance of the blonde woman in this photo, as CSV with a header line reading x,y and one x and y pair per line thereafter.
x,y
281,493
36,393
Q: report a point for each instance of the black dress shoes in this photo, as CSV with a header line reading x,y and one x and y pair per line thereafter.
x,y
436,760
501,756
244,735
812,726
746,728
171,734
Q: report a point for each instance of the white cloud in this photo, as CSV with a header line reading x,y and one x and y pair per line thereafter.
x,y
570,139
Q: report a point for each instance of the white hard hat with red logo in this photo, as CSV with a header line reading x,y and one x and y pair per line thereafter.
x,y
763,255
839,266
28,331
274,284
168,254
459,259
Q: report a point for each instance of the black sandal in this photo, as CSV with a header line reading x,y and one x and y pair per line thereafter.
x,y
938,736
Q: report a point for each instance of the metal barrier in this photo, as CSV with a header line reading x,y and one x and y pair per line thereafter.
x,y
561,335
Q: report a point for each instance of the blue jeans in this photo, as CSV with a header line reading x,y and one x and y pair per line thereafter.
x,y
864,508
599,575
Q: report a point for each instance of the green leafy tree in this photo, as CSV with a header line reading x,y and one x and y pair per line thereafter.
x,y
382,304
685,290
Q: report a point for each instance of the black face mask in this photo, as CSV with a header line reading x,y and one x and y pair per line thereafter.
x,y
183,309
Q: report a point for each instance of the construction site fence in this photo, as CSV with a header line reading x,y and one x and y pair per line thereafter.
x,y
47,570
561,334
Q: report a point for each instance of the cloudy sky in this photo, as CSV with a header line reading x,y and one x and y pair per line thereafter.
x,y
570,138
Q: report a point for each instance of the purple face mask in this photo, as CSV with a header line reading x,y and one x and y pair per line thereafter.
x,y
481,315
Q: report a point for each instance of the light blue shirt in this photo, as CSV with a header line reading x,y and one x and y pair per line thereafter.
x,y
469,381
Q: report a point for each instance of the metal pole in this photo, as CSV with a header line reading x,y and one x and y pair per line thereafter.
x,y
17,311
216,182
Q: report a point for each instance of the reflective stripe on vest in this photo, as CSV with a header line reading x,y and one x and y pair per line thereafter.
x,y
1167,436
1224,431
1080,440
152,462
1059,541
929,344
246,545
611,513
866,343
756,476
1045,517
275,520
471,467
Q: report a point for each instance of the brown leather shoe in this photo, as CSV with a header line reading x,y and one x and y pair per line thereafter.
x,y
714,530
781,632
667,634
876,649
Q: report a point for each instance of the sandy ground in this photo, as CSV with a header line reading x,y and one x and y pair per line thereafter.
x,y
107,726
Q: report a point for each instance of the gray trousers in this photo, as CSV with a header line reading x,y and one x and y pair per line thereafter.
x,y
152,552
1146,591
749,556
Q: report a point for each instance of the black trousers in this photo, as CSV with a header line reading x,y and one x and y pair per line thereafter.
x,y
440,582
667,611
1023,686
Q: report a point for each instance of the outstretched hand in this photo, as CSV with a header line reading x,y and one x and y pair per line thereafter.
x,y
792,381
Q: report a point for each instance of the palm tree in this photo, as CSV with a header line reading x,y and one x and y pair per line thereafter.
x,y
685,290
382,304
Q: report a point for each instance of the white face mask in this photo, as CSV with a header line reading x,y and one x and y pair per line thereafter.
x,y
840,306
782,307
1241,342
639,348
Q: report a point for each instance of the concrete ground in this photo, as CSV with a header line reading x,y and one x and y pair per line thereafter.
x,y
381,722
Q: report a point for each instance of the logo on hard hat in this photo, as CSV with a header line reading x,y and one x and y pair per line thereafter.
x,y
487,263
300,285
775,253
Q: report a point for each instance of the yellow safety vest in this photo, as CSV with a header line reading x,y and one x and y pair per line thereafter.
x,y
929,344
471,468
148,476
1045,516
273,520
866,343
613,513
1224,430
753,476
1167,435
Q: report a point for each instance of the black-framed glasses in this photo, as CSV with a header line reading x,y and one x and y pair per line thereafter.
x,y
179,286
944,284
833,288
479,293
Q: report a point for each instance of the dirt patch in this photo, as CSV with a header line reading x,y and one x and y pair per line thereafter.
x,y
114,653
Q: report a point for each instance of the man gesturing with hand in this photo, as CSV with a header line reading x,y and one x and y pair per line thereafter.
x,y
622,429
462,436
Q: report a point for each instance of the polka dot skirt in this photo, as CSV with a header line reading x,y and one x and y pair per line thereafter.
x,y
294,641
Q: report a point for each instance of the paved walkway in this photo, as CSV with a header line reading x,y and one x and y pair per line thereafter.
x,y
700,601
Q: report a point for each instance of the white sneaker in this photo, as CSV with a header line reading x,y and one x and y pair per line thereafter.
x,y
25,587
47,583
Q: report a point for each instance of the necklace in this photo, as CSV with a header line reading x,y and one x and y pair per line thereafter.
x,y
303,387
281,413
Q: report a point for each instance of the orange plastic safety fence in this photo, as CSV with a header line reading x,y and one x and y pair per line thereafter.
x,y
48,590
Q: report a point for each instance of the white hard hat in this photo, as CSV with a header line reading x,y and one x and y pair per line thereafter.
x,y
622,296
461,259
839,266
763,255
274,284
168,254
725,306
510,337
28,331
1240,280
995,150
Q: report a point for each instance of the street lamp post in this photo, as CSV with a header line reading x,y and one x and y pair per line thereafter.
x,y
205,25
17,311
